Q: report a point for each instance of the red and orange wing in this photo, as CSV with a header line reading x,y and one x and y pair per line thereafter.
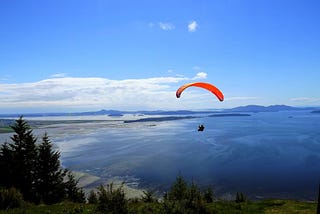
x,y
203,85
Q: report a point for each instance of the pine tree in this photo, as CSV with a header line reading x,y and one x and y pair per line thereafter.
x,y
74,193
112,200
208,195
50,175
240,197
92,198
35,170
6,165
20,155
178,190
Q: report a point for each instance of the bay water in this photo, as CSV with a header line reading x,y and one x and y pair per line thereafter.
x,y
264,155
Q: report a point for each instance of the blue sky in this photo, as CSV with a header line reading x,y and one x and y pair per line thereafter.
x,y
87,55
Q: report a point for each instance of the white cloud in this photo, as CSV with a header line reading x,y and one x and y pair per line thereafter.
x,y
192,26
200,75
305,99
166,26
88,93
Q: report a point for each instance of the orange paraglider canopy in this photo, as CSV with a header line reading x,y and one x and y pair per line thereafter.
x,y
204,85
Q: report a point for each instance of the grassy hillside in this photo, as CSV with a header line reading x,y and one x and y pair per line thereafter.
x,y
218,207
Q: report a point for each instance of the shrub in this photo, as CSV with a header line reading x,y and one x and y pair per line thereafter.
x,y
10,198
111,200
92,198
74,193
240,197
148,196
183,198
208,195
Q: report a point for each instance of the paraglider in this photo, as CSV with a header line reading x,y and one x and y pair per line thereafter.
x,y
201,128
203,85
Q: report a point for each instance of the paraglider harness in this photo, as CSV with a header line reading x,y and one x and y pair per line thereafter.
x,y
200,128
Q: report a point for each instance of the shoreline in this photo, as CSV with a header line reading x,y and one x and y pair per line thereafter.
x,y
91,182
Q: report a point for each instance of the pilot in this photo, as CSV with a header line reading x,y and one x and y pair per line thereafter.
x,y
200,128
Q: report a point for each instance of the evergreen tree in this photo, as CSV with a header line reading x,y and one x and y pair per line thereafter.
x,y
148,196
178,190
50,175
112,200
183,198
74,193
208,195
193,195
35,170
240,197
20,159
6,165
92,199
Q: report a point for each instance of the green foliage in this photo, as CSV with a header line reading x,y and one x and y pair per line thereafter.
x,y
74,193
218,207
146,208
111,200
208,195
184,198
148,196
178,190
21,156
240,197
6,165
50,175
35,170
92,198
10,198
65,207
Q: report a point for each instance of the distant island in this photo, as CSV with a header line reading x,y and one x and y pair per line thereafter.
x,y
118,113
271,108
229,115
159,119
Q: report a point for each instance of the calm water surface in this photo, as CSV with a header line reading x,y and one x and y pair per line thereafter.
x,y
264,155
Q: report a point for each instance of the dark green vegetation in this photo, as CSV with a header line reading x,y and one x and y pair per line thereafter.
x,y
181,198
33,181
32,171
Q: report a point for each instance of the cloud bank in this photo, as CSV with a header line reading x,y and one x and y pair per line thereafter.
x,y
94,93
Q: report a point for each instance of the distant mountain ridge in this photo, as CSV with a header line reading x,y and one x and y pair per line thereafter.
x,y
112,113
248,108
271,108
